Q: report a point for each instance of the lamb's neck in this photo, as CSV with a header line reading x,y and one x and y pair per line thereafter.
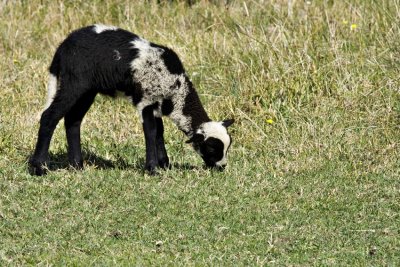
x,y
196,118
192,113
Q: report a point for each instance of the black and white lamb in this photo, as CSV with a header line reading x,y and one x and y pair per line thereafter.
x,y
106,59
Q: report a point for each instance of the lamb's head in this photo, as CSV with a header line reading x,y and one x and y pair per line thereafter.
x,y
212,141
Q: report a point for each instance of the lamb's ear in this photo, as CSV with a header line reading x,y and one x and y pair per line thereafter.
x,y
196,138
228,123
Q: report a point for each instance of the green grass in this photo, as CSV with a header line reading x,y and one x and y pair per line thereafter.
x,y
317,186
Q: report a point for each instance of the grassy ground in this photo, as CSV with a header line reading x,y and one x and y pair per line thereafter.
x,y
313,174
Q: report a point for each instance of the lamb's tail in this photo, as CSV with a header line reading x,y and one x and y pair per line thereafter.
x,y
52,85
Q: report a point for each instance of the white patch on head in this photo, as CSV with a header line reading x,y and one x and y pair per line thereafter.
x,y
158,83
52,87
218,131
99,28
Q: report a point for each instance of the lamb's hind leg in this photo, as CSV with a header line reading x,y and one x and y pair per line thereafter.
x,y
72,122
61,104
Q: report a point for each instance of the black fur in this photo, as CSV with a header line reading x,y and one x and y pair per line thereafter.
x,y
150,134
171,60
227,123
212,150
194,108
167,107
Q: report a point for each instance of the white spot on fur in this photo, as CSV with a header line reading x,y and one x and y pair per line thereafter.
x,y
117,55
51,90
141,44
157,113
158,83
99,28
218,131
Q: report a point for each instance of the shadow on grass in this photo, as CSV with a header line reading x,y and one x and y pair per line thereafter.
x,y
184,166
59,161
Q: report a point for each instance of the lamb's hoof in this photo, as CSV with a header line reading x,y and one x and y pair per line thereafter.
x,y
215,167
151,172
164,164
37,168
76,165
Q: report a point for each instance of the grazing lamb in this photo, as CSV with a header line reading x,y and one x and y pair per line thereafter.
x,y
106,59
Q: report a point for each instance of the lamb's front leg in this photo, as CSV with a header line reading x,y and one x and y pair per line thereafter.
x,y
162,156
150,132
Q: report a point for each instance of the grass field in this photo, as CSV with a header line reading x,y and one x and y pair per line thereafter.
x,y
313,172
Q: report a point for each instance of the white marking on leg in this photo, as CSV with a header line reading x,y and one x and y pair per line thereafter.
x,y
51,90
99,28
157,113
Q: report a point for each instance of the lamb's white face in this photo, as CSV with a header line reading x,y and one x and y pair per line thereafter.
x,y
212,141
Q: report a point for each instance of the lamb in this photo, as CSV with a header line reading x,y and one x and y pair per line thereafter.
x,y
106,60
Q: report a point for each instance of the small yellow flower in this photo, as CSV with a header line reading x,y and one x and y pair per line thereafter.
x,y
270,121
353,26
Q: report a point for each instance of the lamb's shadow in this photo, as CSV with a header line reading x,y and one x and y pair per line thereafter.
x,y
59,161
184,166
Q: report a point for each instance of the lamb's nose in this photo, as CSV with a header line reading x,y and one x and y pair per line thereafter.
x,y
220,167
